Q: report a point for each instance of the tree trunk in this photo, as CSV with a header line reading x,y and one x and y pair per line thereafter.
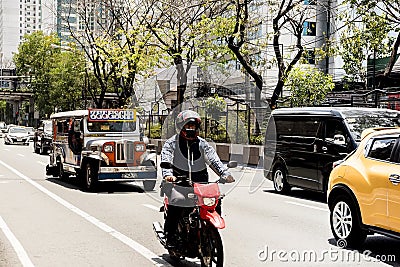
x,y
392,61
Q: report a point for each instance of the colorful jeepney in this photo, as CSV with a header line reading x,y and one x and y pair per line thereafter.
x,y
99,145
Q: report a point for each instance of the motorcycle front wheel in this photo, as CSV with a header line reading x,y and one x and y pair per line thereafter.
x,y
212,251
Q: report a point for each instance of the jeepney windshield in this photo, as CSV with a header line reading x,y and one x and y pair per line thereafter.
x,y
111,126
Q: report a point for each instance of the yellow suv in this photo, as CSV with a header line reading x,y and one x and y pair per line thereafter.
x,y
364,191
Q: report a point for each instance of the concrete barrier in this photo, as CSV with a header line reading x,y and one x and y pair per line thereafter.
x,y
243,154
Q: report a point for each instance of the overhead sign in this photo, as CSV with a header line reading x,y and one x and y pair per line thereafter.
x,y
112,115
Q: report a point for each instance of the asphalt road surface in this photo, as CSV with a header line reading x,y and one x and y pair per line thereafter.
x,y
48,222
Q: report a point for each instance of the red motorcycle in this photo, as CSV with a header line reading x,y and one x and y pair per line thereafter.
x,y
197,231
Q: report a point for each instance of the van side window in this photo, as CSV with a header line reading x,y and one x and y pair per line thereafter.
x,y
302,129
382,148
335,132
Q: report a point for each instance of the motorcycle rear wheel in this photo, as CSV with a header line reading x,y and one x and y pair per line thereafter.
x,y
212,251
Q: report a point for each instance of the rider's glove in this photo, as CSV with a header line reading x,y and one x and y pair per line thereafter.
x,y
170,178
228,179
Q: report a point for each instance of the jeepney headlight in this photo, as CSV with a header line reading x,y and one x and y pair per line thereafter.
x,y
108,148
139,147
209,201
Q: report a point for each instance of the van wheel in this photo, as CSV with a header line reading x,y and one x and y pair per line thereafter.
x,y
279,178
346,223
91,179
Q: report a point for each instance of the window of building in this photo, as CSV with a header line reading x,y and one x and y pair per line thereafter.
x,y
309,28
310,2
309,56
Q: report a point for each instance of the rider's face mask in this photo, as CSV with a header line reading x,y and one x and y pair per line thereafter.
x,y
190,131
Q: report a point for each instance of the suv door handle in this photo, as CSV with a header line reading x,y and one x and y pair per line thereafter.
x,y
394,178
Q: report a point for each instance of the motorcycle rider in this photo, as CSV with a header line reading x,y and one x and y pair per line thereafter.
x,y
188,154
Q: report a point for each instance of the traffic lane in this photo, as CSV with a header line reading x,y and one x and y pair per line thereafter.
x,y
24,159
53,235
8,257
110,205
272,222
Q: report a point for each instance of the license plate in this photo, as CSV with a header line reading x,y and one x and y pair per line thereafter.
x,y
19,139
129,175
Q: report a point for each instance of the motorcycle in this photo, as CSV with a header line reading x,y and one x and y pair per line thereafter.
x,y
197,231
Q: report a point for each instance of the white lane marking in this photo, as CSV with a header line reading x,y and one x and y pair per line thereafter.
x,y
42,163
307,206
148,254
21,155
6,149
21,253
151,207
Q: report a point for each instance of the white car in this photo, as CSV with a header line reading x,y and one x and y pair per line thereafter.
x,y
17,135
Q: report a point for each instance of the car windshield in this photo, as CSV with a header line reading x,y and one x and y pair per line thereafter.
x,y
360,120
18,130
109,126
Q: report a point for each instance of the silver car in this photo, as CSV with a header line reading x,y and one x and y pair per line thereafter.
x,y
17,135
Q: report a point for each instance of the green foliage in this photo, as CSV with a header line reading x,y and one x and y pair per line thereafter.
x,y
155,131
308,86
369,24
214,106
257,140
56,75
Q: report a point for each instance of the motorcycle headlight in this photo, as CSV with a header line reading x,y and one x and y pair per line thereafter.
x,y
209,201
108,148
140,147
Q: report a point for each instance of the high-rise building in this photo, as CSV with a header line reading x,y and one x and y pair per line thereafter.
x,y
20,17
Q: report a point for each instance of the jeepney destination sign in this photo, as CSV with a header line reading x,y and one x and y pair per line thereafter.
x,y
112,115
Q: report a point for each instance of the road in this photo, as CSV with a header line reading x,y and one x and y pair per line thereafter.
x,y
47,222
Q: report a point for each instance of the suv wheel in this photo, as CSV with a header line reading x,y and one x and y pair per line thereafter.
x,y
346,223
279,179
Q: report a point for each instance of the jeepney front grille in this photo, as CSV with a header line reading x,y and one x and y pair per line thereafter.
x,y
124,152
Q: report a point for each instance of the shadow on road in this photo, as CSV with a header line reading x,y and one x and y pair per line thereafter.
x,y
376,249
181,263
303,194
102,188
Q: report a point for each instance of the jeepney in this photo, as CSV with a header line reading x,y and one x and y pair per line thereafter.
x,y
99,145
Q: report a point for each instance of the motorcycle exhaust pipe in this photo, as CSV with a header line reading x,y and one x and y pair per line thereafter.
x,y
157,228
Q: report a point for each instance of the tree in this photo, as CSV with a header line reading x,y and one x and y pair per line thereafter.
x,y
380,18
40,57
173,23
289,15
115,45
308,86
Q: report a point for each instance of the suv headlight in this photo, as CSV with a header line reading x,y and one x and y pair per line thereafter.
x,y
209,201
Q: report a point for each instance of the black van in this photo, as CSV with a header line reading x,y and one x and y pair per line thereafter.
x,y
301,144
